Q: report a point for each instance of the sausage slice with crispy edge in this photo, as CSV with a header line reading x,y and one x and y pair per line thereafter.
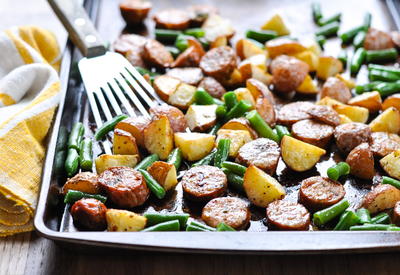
x,y
293,112
173,19
219,62
361,161
134,11
156,54
350,135
90,214
324,114
189,75
212,86
312,132
285,215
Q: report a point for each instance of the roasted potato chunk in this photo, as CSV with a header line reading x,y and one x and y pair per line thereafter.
x,y
244,94
383,196
259,89
201,117
124,220
371,100
240,124
238,138
388,121
355,113
194,146
124,143
175,116
392,101
310,58
105,161
165,86
135,126
245,49
308,86
159,137
183,96
391,164
216,26
84,182
328,66
164,173
280,46
275,23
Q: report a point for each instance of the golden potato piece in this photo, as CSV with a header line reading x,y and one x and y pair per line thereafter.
x,y
85,182
159,137
392,101
280,46
105,161
308,86
238,138
371,100
165,86
124,220
124,143
201,117
388,121
164,173
344,119
391,164
328,66
275,23
259,89
383,196
220,41
135,126
194,146
310,58
183,96
240,123
244,94
355,113
246,48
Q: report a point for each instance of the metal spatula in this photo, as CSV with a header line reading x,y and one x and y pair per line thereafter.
x,y
110,80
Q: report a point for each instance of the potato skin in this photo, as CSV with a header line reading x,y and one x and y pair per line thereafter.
x,y
266,109
175,116
135,126
281,46
165,86
240,123
383,196
164,173
159,137
361,161
336,89
85,182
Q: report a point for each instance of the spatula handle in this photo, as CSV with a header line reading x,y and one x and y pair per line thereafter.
x,y
79,26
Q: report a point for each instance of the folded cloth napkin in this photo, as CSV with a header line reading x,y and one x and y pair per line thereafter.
x,y
29,95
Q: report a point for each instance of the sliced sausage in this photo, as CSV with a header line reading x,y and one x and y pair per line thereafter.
x,y
132,47
124,186
336,89
212,86
324,114
383,143
90,214
262,152
199,14
350,135
266,109
377,40
395,38
134,11
293,112
191,76
219,62
203,183
191,56
172,19
288,73
229,210
135,59
155,54
361,161
175,116
317,192
396,214
312,132
286,215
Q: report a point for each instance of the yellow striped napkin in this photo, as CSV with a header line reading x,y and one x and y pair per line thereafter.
x,y
29,95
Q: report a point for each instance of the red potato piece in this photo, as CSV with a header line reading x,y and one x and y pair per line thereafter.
x,y
288,73
219,62
392,101
212,86
191,76
285,215
199,14
383,143
175,116
135,126
317,192
294,112
259,89
155,54
336,89
134,11
312,132
381,197
361,161
204,183
229,210
267,111
172,19
129,42
350,135
377,40
324,114
396,214
124,186
262,153
90,214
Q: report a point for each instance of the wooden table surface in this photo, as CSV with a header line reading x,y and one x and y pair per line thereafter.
x,y
28,253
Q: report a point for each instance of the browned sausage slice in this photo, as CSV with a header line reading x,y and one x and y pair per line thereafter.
x,y
191,76
293,112
285,215
173,19
90,214
336,89
317,192
229,210
361,161
377,40
350,135
124,186
288,73
134,11
213,87
312,132
203,183
262,152
219,62
199,14
155,54
383,143
324,114
175,116
396,214
129,42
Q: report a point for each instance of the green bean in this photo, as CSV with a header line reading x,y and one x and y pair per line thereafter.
x,y
334,18
321,40
328,30
75,136
367,87
367,20
181,42
173,50
376,75
391,181
224,227
282,131
238,110
316,11
192,227
234,180
393,228
165,226
59,162
216,127
347,37
196,32
234,167
261,127
153,185
201,225
364,215
86,154
338,170
343,57
175,158
72,162
222,152
74,195
261,36
221,111
230,100
166,35
381,218
376,67
146,162
386,89
201,97
62,139
156,218
143,71
206,160
386,55
358,40
347,219
108,126
371,227
323,216
357,60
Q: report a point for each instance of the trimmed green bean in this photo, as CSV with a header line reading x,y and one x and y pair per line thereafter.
x,y
201,97
175,158
347,37
238,110
343,57
379,56
201,225
196,32
224,227
221,111
367,20
206,160
72,162
393,228
358,40
234,167
357,60
216,127
338,170
62,139
321,40
376,75
261,36
381,218
347,219
222,152
323,216
367,87
376,67
165,226
181,42
364,215
391,181
143,71
282,131
59,162
74,195
334,18
234,180
86,154
371,227
328,30
316,11
230,100
75,136
166,35
153,185
108,126
261,127
192,227
146,162
156,218
386,89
